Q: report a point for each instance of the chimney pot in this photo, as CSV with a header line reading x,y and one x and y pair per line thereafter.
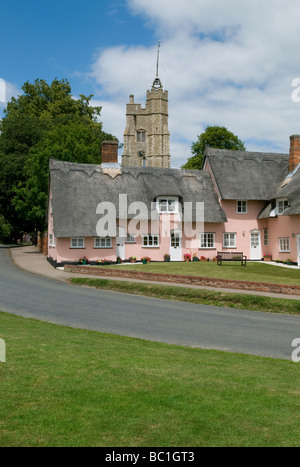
x,y
110,152
294,159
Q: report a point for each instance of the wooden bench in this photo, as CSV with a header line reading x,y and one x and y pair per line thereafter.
x,y
231,256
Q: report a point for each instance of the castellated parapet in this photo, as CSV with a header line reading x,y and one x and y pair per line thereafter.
x,y
147,137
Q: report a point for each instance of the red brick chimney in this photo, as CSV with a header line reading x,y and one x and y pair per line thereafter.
x,y
294,152
110,152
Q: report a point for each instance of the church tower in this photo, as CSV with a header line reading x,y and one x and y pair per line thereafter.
x,y
147,137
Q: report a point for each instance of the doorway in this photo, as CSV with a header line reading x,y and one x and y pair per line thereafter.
x,y
255,245
175,246
120,243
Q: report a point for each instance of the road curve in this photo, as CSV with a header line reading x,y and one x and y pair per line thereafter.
x,y
254,333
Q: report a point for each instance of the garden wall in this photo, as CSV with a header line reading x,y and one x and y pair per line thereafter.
x,y
190,280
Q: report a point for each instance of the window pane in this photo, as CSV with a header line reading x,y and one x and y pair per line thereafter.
x,y
229,240
150,240
163,205
284,244
172,205
266,237
210,240
141,136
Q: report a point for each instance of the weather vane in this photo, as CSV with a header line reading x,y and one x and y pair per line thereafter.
x,y
157,82
158,47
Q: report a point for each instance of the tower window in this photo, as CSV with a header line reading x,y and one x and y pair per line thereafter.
x,y
141,136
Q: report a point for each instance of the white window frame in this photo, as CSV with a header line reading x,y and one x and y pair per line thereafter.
x,y
207,241
130,238
231,236
52,240
282,205
77,243
170,201
241,207
266,237
150,240
102,242
284,245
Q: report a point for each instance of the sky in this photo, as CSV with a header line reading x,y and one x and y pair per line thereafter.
x,y
228,63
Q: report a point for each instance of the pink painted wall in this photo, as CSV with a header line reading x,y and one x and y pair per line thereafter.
x,y
66,253
283,226
52,253
243,224
63,251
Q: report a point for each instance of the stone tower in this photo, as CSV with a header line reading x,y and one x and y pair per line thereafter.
x,y
147,137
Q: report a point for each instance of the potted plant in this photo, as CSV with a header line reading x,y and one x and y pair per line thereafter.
x,y
84,260
146,259
267,257
187,257
119,260
104,262
167,257
203,258
289,261
132,259
195,257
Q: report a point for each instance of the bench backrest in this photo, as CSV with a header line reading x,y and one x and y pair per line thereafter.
x,y
232,255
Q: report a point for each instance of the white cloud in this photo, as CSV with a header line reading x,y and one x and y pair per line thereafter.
x,y
7,91
226,63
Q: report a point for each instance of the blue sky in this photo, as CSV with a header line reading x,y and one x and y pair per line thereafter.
x,y
48,39
224,63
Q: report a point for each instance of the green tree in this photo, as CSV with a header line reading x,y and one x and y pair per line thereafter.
x,y
215,137
44,122
5,229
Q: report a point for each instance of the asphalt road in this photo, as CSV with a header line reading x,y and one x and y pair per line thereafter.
x,y
255,333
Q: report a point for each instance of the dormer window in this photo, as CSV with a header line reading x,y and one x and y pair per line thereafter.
x,y
141,136
241,207
168,204
282,205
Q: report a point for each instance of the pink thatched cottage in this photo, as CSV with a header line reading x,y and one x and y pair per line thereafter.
x,y
240,201
109,211
260,194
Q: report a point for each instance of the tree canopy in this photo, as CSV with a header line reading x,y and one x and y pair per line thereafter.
x,y
215,137
45,122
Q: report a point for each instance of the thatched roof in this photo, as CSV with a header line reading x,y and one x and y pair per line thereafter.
x,y
247,175
77,189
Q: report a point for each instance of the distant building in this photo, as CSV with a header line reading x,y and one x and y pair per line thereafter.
x,y
146,136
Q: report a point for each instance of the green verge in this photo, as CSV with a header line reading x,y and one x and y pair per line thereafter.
x,y
201,296
253,272
64,387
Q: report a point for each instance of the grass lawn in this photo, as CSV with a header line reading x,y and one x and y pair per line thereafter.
x,y
254,272
69,387
201,296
